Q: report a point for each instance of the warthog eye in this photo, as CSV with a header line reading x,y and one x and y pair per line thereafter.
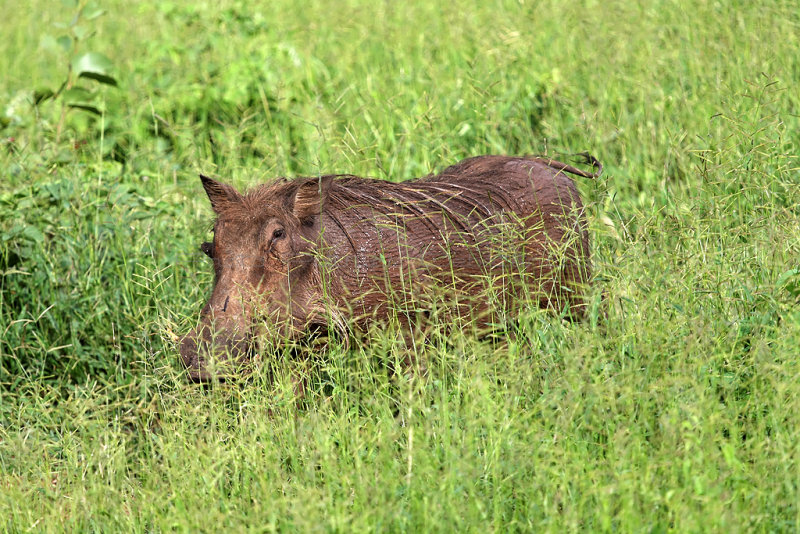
x,y
278,233
208,249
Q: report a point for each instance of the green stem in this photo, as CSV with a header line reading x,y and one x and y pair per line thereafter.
x,y
70,81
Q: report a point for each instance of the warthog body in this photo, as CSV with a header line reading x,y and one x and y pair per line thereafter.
x,y
343,252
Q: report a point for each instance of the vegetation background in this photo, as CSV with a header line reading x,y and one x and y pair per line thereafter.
x,y
679,411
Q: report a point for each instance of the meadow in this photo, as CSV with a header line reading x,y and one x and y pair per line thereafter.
x,y
674,407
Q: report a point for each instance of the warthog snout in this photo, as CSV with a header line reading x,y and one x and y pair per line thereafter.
x,y
215,355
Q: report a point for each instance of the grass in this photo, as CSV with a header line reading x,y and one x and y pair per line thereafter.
x,y
678,411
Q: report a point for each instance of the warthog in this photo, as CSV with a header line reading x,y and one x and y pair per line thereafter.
x,y
341,252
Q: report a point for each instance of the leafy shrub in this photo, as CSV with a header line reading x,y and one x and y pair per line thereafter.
x,y
74,251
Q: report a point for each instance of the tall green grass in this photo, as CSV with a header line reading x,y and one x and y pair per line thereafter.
x,y
673,407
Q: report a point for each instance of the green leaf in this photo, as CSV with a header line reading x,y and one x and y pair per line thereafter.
x,y
77,95
41,94
94,14
92,62
102,78
69,4
95,66
33,234
65,42
81,32
84,107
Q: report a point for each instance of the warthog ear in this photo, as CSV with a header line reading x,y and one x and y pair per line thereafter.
x,y
219,194
310,198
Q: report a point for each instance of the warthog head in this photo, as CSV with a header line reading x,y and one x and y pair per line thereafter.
x,y
264,271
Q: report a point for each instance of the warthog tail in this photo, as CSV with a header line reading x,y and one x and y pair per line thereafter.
x,y
587,159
